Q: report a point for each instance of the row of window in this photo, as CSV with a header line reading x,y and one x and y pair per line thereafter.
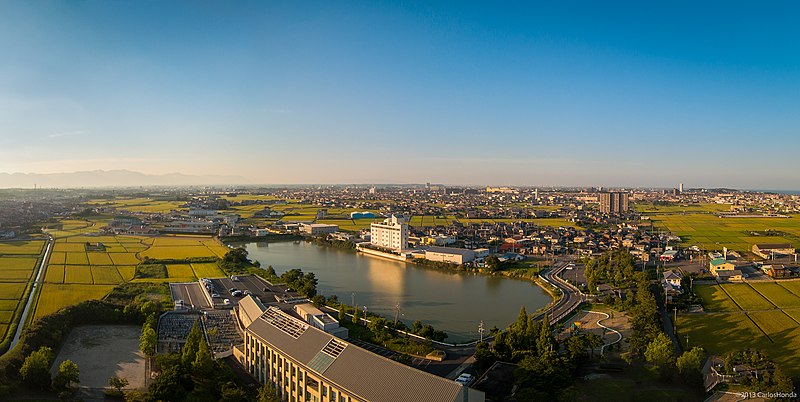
x,y
291,380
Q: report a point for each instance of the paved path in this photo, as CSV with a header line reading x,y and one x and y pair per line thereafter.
x,y
603,348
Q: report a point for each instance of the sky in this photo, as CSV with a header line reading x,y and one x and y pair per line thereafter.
x,y
507,93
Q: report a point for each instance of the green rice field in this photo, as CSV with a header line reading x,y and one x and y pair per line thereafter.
x,y
763,315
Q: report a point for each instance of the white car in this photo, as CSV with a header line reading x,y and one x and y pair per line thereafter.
x,y
464,379
226,301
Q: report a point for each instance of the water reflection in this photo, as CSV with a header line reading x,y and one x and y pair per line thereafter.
x,y
452,302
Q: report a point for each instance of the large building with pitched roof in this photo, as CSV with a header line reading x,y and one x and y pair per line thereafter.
x,y
305,363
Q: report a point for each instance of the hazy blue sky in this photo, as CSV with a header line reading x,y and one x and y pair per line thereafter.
x,y
574,93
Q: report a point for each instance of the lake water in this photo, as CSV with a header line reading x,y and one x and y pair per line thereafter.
x,y
452,302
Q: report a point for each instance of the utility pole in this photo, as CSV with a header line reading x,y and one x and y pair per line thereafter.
x,y
675,320
687,341
397,313
480,330
353,299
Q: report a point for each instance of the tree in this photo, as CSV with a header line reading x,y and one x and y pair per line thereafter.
x,y
576,346
118,383
68,373
356,316
192,345
271,272
168,386
35,370
690,363
268,393
691,360
660,353
594,341
148,341
492,263
134,396
232,393
342,312
203,364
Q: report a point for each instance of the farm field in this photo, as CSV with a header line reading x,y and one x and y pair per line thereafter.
x,y
746,297
715,299
75,274
207,270
792,286
18,262
726,327
710,232
63,295
777,294
139,204
180,272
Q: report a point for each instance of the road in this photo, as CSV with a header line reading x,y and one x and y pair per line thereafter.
x,y
571,297
32,296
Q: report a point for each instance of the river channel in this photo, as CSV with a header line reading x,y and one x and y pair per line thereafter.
x,y
453,302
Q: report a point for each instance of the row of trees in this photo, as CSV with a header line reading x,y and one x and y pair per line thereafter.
x,y
543,370
193,374
35,372
616,267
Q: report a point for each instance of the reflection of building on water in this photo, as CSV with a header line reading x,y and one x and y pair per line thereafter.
x,y
389,280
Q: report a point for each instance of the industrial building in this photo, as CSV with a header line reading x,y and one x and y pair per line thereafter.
x,y
318,228
449,254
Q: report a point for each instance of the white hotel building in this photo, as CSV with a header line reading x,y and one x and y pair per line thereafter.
x,y
391,234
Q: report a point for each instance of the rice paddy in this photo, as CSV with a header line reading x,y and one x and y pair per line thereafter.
x,y
762,315
18,261
85,265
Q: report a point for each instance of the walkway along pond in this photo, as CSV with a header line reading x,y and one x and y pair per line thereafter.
x,y
452,302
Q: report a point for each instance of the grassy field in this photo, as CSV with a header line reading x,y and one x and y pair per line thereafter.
x,y
747,315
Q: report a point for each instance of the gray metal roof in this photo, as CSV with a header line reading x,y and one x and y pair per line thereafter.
x,y
365,375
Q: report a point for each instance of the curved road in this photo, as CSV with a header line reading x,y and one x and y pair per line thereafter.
x,y
571,296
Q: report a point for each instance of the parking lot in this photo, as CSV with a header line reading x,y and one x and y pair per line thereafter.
x,y
190,293
247,284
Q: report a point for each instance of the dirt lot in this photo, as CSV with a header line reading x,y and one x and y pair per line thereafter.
x,y
104,351
588,322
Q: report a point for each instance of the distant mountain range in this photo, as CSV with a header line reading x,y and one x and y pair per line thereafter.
x,y
110,178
